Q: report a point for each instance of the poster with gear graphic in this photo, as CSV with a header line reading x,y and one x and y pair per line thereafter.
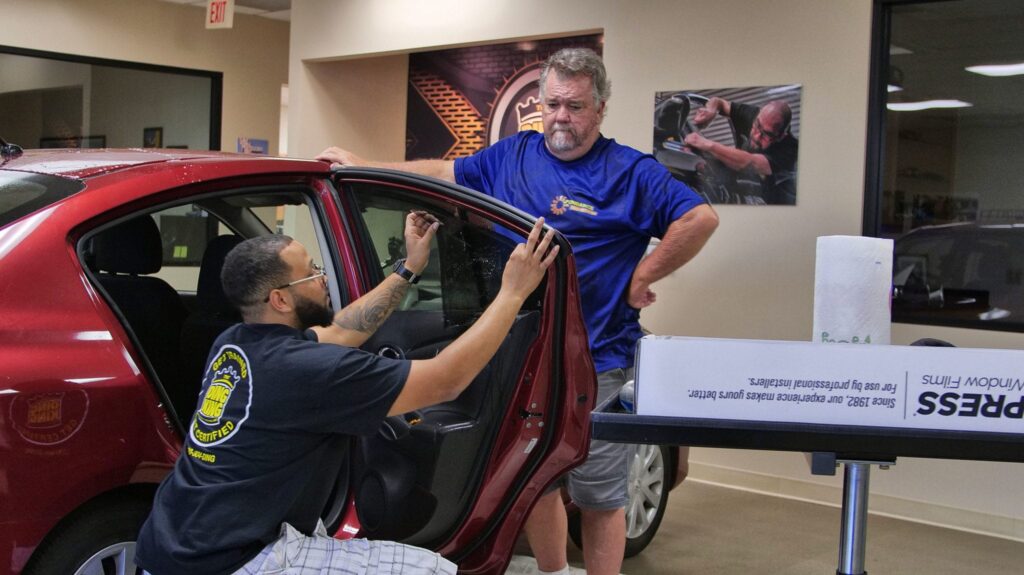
x,y
464,99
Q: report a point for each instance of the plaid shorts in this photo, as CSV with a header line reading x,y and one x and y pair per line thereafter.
x,y
320,554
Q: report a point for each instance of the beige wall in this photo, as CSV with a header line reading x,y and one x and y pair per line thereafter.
x,y
755,279
253,55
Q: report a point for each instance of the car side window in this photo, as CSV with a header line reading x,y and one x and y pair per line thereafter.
x,y
186,230
467,256
174,313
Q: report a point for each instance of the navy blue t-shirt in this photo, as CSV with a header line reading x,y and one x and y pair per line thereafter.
x,y
276,415
609,204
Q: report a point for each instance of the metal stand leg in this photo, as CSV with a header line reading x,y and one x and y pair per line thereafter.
x,y
853,534
853,531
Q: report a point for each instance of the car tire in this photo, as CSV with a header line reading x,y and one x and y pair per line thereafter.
x,y
650,479
99,541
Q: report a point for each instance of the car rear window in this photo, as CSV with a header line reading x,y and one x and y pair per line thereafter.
x,y
23,193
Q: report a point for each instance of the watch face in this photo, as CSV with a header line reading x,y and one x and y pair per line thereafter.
x,y
406,273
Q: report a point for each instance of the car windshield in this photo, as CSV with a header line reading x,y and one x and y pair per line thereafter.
x,y
22,193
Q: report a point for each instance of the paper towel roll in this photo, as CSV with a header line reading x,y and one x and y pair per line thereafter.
x,y
852,286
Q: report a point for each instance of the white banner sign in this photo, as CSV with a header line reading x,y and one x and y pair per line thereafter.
x,y
220,13
955,389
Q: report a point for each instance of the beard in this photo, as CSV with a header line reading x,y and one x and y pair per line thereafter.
x,y
562,138
312,314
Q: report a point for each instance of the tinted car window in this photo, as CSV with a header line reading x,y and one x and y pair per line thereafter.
x,y
21,194
467,256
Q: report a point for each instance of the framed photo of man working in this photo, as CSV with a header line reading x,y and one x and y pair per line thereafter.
x,y
731,145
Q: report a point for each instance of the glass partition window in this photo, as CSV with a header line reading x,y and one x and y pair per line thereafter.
x,y
949,186
62,101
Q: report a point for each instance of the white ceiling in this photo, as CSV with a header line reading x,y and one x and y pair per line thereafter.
x,y
276,9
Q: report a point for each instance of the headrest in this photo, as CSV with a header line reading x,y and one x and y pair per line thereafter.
x,y
131,247
210,293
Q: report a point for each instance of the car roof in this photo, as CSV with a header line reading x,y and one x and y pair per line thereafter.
x,y
88,163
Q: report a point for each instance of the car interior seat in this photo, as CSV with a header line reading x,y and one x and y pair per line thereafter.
x,y
124,256
213,313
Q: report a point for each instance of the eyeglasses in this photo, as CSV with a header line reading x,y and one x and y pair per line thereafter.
x,y
318,272
771,135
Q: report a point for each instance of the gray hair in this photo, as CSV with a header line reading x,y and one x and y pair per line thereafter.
x,y
573,62
253,268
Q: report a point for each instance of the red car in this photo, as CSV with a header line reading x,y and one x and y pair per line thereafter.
x,y
110,297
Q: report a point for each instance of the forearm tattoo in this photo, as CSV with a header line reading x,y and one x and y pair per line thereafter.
x,y
367,317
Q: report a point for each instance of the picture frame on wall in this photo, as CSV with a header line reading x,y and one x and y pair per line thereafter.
x,y
153,137
74,142
697,131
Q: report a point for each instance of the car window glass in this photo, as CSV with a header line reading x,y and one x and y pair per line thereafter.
x,y
175,312
21,194
186,230
467,256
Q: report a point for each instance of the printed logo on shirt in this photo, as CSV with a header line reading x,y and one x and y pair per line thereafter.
x,y
224,406
561,204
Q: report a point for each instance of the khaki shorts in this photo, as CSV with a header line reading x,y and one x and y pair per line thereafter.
x,y
601,482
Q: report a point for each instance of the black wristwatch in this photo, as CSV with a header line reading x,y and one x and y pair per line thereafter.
x,y
404,272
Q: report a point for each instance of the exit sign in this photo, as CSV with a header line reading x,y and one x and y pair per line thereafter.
x,y
220,13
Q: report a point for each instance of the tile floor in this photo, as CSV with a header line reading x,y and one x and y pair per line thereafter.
x,y
710,529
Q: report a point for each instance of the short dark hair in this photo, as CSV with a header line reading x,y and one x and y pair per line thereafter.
x,y
572,62
253,268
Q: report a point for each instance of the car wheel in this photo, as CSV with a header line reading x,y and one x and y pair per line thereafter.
x,y
649,484
101,541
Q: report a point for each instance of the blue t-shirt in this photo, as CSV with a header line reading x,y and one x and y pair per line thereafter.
x,y
267,445
609,204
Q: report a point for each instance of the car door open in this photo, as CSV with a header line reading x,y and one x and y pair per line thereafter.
x,y
428,472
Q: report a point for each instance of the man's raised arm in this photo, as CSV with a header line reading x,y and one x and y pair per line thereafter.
x,y
440,169
444,377
357,321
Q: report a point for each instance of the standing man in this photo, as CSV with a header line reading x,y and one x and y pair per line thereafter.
x,y
283,395
609,200
768,153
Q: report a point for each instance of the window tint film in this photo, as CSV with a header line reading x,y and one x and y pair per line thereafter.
x,y
21,193
467,257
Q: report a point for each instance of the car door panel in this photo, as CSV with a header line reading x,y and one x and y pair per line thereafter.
x,y
429,472
440,455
